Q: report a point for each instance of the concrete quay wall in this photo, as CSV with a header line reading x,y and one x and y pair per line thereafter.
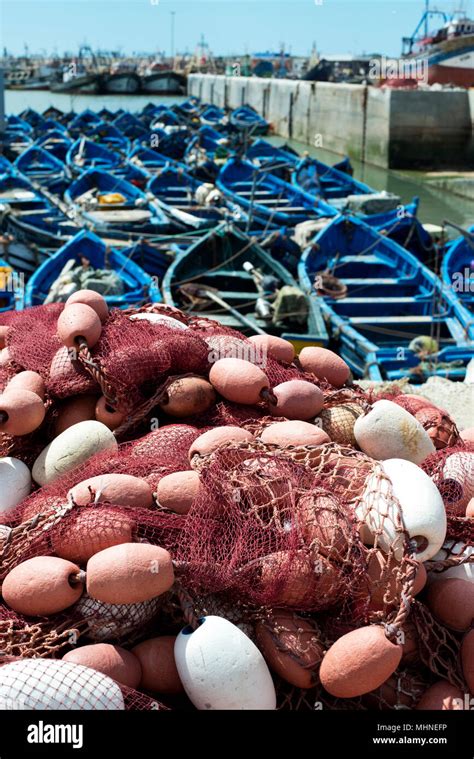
x,y
392,128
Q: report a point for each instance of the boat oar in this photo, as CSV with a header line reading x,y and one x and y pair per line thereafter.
x,y
468,236
209,292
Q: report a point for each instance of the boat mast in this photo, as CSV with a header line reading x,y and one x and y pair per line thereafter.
x,y
2,102
427,12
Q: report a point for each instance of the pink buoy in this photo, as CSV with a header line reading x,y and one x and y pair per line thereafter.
x,y
90,298
78,323
21,412
111,417
27,380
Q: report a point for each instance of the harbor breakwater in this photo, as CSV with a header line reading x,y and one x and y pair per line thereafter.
x,y
392,128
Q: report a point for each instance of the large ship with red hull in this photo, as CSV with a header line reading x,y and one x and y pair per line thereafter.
x,y
447,55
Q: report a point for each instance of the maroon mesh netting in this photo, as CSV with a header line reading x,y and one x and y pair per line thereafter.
x,y
136,701
27,637
32,340
267,530
226,413
438,647
461,529
452,471
32,528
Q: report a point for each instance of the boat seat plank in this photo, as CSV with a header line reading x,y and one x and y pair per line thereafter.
x,y
381,281
232,295
391,319
380,300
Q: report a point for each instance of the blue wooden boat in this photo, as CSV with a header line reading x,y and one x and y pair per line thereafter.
x,y
457,268
15,142
109,136
131,126
211,140
82,122
106,115
44,227
390,315
170,141
263,153
55,142
154,258
268,198
149,109
177,192
138,287
150,160
148,115
207,152
400,224
213,116
226,265
49,125
32,117
164,117
85,154
309,174
316,178
41,166
111,203
57,114
18,192
403,227
190,106
16,124
247,118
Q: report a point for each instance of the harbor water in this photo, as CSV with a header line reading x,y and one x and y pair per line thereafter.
x,y
436,205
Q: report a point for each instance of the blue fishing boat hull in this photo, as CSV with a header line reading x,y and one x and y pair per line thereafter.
x,y
41,166
316,178
213,116
457,273
217,261
45,227
110,203
150,160
85,154
138,286
55,142
176,191
245,118
18,192
391,300
268,198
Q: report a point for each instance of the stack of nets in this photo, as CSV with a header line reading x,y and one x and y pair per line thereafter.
x,y
275,533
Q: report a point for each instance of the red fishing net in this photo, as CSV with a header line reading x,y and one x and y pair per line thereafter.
x,y
304,542
452,471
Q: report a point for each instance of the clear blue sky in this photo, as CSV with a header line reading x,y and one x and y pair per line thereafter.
x,y
229,26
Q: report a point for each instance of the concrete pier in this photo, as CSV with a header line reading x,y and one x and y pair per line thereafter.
x,y
392,128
